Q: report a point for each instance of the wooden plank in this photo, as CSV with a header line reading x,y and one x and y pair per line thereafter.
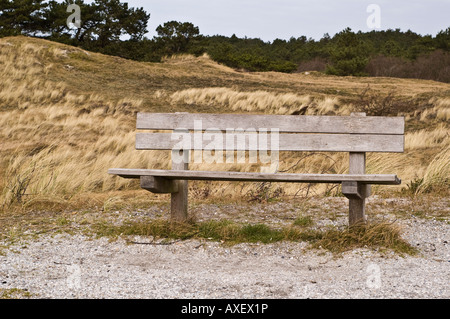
x,y
179,200
287,142
158,185
386,179
284,123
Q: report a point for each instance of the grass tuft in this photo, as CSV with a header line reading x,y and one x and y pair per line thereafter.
x,y
376,236
303,221
14,293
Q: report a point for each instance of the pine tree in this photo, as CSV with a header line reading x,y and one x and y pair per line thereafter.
x,y
349,55
21,17
175,37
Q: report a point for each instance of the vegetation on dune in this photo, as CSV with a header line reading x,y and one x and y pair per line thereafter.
x,y
393,53
66,118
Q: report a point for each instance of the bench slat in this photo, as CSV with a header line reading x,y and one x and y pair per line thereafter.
x,y
287,142
285,123
385,179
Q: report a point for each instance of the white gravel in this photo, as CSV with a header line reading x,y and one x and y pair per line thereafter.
x,y
74,266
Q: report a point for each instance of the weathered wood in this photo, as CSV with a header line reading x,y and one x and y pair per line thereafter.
x,y
158,185
385,179
285,123
357,165
351,190
179,200
287,142
357,189
356,134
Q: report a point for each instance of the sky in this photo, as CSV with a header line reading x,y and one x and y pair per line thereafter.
x,y
283,19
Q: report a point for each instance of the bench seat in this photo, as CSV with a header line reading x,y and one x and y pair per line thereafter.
x,y
383,179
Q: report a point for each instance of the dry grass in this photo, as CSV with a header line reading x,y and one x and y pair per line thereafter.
x,y
14,293
376,236
437,174
66,117
440,111
438,137
258,101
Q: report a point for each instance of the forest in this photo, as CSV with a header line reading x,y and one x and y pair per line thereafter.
x,y
112,27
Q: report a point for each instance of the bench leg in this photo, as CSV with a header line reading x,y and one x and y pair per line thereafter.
x,y
356,194
357,212
357,203
179,200
357,198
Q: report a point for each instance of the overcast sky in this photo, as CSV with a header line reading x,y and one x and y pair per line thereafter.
x,y
283,19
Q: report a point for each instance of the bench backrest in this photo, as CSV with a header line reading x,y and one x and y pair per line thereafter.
x,y
296,132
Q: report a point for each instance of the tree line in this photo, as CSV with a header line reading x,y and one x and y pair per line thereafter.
x,y
112,27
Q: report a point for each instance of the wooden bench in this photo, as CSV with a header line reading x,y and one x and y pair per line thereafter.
x,y
356,134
